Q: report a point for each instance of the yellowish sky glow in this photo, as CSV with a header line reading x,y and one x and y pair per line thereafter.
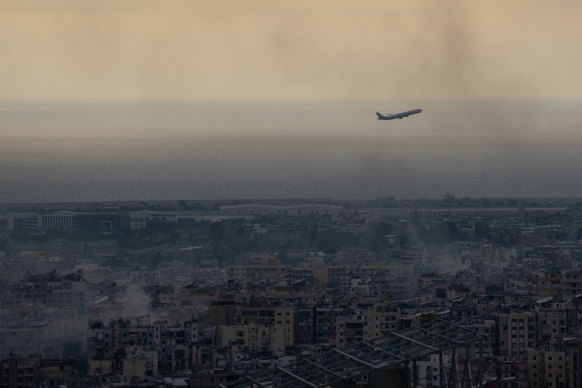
x,y
289,49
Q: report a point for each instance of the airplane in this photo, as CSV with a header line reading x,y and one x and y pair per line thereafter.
x,y
398,115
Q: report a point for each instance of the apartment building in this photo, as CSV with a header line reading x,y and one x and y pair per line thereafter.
x,y
517,334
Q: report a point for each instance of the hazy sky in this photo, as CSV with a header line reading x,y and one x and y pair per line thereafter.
x,y
290,49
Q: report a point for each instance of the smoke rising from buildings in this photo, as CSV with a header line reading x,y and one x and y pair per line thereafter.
x,y
132,302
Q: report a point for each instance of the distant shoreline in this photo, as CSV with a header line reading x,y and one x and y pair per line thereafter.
x,y
422,204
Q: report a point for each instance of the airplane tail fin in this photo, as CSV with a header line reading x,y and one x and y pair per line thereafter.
x,y
380,116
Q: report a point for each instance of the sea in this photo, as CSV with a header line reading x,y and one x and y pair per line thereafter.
x,y
128,150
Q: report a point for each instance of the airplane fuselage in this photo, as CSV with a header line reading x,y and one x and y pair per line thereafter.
x,y
398,115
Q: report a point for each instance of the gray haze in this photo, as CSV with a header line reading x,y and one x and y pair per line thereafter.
x,y
112,150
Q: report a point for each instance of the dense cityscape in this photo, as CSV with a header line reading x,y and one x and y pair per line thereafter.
x,y
290,194
428,293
